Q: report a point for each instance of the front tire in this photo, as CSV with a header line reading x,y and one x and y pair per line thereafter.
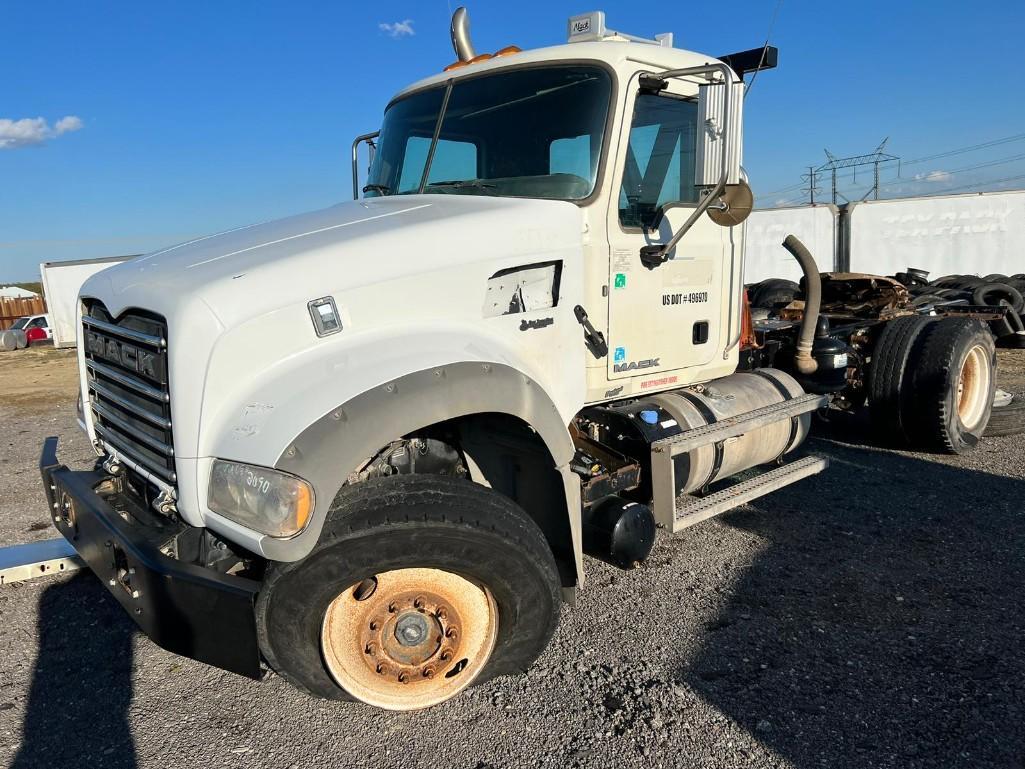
x,y
420,586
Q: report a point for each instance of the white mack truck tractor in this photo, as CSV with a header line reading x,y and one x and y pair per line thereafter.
x,y
368,447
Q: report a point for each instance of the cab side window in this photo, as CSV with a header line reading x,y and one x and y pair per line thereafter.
x,y
37,323
659,159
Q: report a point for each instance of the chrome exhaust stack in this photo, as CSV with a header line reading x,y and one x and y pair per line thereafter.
x,y
460,31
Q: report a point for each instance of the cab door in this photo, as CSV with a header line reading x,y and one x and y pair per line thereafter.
x,y
667,318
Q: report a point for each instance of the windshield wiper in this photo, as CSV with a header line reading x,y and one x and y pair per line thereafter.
x,y
458,183
384,189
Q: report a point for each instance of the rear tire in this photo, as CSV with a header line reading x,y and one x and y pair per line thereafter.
x,y
953,386
462,550
888,378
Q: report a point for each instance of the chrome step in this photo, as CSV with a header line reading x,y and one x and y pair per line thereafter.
x,y
697,509
731,427
663,452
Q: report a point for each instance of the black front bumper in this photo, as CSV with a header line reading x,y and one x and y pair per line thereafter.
x,y
185,608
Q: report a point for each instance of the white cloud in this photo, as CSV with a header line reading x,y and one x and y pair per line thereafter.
x,y
398,29
933,176
67,125
34,130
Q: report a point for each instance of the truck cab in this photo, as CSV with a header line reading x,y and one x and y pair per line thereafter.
x,y
368,446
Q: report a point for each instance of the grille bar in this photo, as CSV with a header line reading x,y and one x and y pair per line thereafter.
x,y
134,456
125,405
159,446
127,381
125,333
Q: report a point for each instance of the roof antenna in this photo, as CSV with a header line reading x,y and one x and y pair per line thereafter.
x,y
460,31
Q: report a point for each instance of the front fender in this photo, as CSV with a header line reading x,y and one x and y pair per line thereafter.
x,y
321,412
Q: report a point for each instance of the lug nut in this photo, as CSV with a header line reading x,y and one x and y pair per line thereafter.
x,y
374,625
451,632
371,648
441,613
418,603
393,607
380,669
403,678
428,672
446,655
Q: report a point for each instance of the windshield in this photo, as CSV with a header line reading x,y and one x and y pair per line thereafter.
x,y
533,133
20,323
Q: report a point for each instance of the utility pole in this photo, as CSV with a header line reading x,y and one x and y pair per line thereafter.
x,y
812,178
873,158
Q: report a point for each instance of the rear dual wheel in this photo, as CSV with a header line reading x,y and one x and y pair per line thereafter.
x,y
954,383
931,382
420,586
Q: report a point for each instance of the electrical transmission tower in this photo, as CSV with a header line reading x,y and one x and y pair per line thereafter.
x,y
812,177
873,159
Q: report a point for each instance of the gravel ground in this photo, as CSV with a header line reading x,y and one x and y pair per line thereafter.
x,y
870,616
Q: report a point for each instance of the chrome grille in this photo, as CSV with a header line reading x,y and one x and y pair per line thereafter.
x,y
126,373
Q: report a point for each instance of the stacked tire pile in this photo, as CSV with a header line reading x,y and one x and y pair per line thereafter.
x,y
12,339
990,291
770,295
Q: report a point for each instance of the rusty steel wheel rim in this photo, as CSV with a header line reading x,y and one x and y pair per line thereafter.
x,y
409,638
973,386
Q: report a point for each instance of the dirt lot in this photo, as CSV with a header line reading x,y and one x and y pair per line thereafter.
x,y
870,616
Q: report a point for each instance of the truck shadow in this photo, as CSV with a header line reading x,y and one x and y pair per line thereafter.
x,y
882,624
77,711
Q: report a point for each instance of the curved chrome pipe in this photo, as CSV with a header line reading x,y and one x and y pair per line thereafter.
x,y
460,31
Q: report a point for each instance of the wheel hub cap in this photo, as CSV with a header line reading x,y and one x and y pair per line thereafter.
x,y
411,629
408,638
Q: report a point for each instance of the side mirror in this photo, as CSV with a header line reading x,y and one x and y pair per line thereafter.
x,y
719,133
718,150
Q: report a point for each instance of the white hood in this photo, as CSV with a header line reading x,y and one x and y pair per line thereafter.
x,y
248,270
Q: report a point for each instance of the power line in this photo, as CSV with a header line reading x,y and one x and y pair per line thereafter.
x,y
956,151
962,150
977,166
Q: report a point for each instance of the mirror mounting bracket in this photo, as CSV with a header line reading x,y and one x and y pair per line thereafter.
x,y
650,83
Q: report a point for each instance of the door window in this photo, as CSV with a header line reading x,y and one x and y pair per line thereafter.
x,y
659,159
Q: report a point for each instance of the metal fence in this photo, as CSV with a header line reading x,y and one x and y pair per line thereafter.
x,y
12,309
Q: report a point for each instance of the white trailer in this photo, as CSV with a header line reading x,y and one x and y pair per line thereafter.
x,y
61,284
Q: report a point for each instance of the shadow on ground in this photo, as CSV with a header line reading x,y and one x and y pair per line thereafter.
x,y
77,712
883,623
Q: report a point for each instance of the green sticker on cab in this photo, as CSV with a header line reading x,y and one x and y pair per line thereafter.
x,y
620,281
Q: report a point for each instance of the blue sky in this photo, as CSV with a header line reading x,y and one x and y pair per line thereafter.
x,y
194,117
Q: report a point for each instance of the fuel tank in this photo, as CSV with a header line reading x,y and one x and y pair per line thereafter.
x,y
632,427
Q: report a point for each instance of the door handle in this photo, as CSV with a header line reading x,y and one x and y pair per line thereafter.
x,y
593,339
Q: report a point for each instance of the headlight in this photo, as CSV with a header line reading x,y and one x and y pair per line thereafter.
x,y
266,500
